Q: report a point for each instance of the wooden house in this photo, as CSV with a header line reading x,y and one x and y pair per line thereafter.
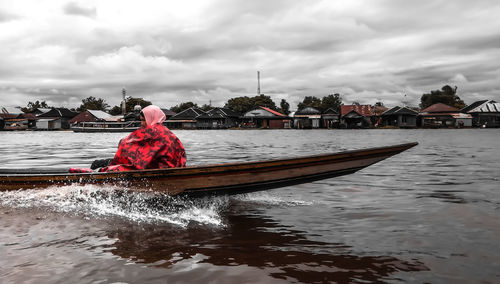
x,y
442,116
402,117
264,117
356,116
484,113
218,118
307,118
185,119
64,115
330,118
15,119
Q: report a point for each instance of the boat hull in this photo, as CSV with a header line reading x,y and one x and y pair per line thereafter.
x,y
230,178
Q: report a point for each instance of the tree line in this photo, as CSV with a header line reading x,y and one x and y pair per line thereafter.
x,y
446,95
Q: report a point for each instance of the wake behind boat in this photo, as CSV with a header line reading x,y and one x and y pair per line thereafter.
x,y
229,178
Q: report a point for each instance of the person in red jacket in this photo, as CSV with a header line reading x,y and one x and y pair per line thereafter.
x,y
152,146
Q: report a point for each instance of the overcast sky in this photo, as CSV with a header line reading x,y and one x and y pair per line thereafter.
x,y
170,52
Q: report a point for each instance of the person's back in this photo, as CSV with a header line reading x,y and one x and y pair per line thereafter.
x,y
152,146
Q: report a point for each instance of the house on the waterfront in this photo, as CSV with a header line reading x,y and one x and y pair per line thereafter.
x,y
10,112
484,113
402,117
330,119
356,116
307,118
14,118
90,116
218,118
264,117
56,118
185,119
442,116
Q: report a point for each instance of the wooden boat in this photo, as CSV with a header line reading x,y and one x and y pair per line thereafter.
x,y
106,126
230,178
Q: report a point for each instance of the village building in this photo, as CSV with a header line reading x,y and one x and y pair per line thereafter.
x,y
357,116
14,118
443,116
90,116
402,117
264,117
218,118
185,119
56,118
484,113
307,118
330,118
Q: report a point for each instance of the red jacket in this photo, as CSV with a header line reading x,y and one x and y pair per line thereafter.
x,y
150,147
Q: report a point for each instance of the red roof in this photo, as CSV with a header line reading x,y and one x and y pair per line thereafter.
x,y
440,107
364,110
272,111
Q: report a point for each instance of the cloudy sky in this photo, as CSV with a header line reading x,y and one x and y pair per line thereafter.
x,y
205,51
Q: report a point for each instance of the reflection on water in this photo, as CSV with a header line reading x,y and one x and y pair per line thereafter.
x,y
255,241
430,214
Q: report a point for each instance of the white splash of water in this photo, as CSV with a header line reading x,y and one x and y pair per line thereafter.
x,y
270,199
100,201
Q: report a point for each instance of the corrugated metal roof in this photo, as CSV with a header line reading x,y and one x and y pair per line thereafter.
x,y
189,113
307,110
99,114
272,111
439,107
363,110
399,110
487,107
473,106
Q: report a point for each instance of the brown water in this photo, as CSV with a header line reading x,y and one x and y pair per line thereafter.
x,y
430,214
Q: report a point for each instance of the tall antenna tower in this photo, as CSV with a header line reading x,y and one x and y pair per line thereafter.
x,y
124,107
258,83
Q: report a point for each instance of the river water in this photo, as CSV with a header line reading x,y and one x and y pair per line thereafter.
x,y
430,214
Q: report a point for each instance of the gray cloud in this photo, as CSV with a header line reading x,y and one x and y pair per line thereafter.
x,y
210,51
73,8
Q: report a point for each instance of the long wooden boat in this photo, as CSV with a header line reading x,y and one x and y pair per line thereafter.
x,y
106,126
229,178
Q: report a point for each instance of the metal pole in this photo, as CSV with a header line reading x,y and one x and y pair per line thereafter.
x,y
258,83
124,108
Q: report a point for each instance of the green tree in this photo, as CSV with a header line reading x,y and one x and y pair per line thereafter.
x,y
264,101
183,106
447,95
284,107
310,101
130,103
333,101
246,104
240,104
206,107
93,103
34,105
116,110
